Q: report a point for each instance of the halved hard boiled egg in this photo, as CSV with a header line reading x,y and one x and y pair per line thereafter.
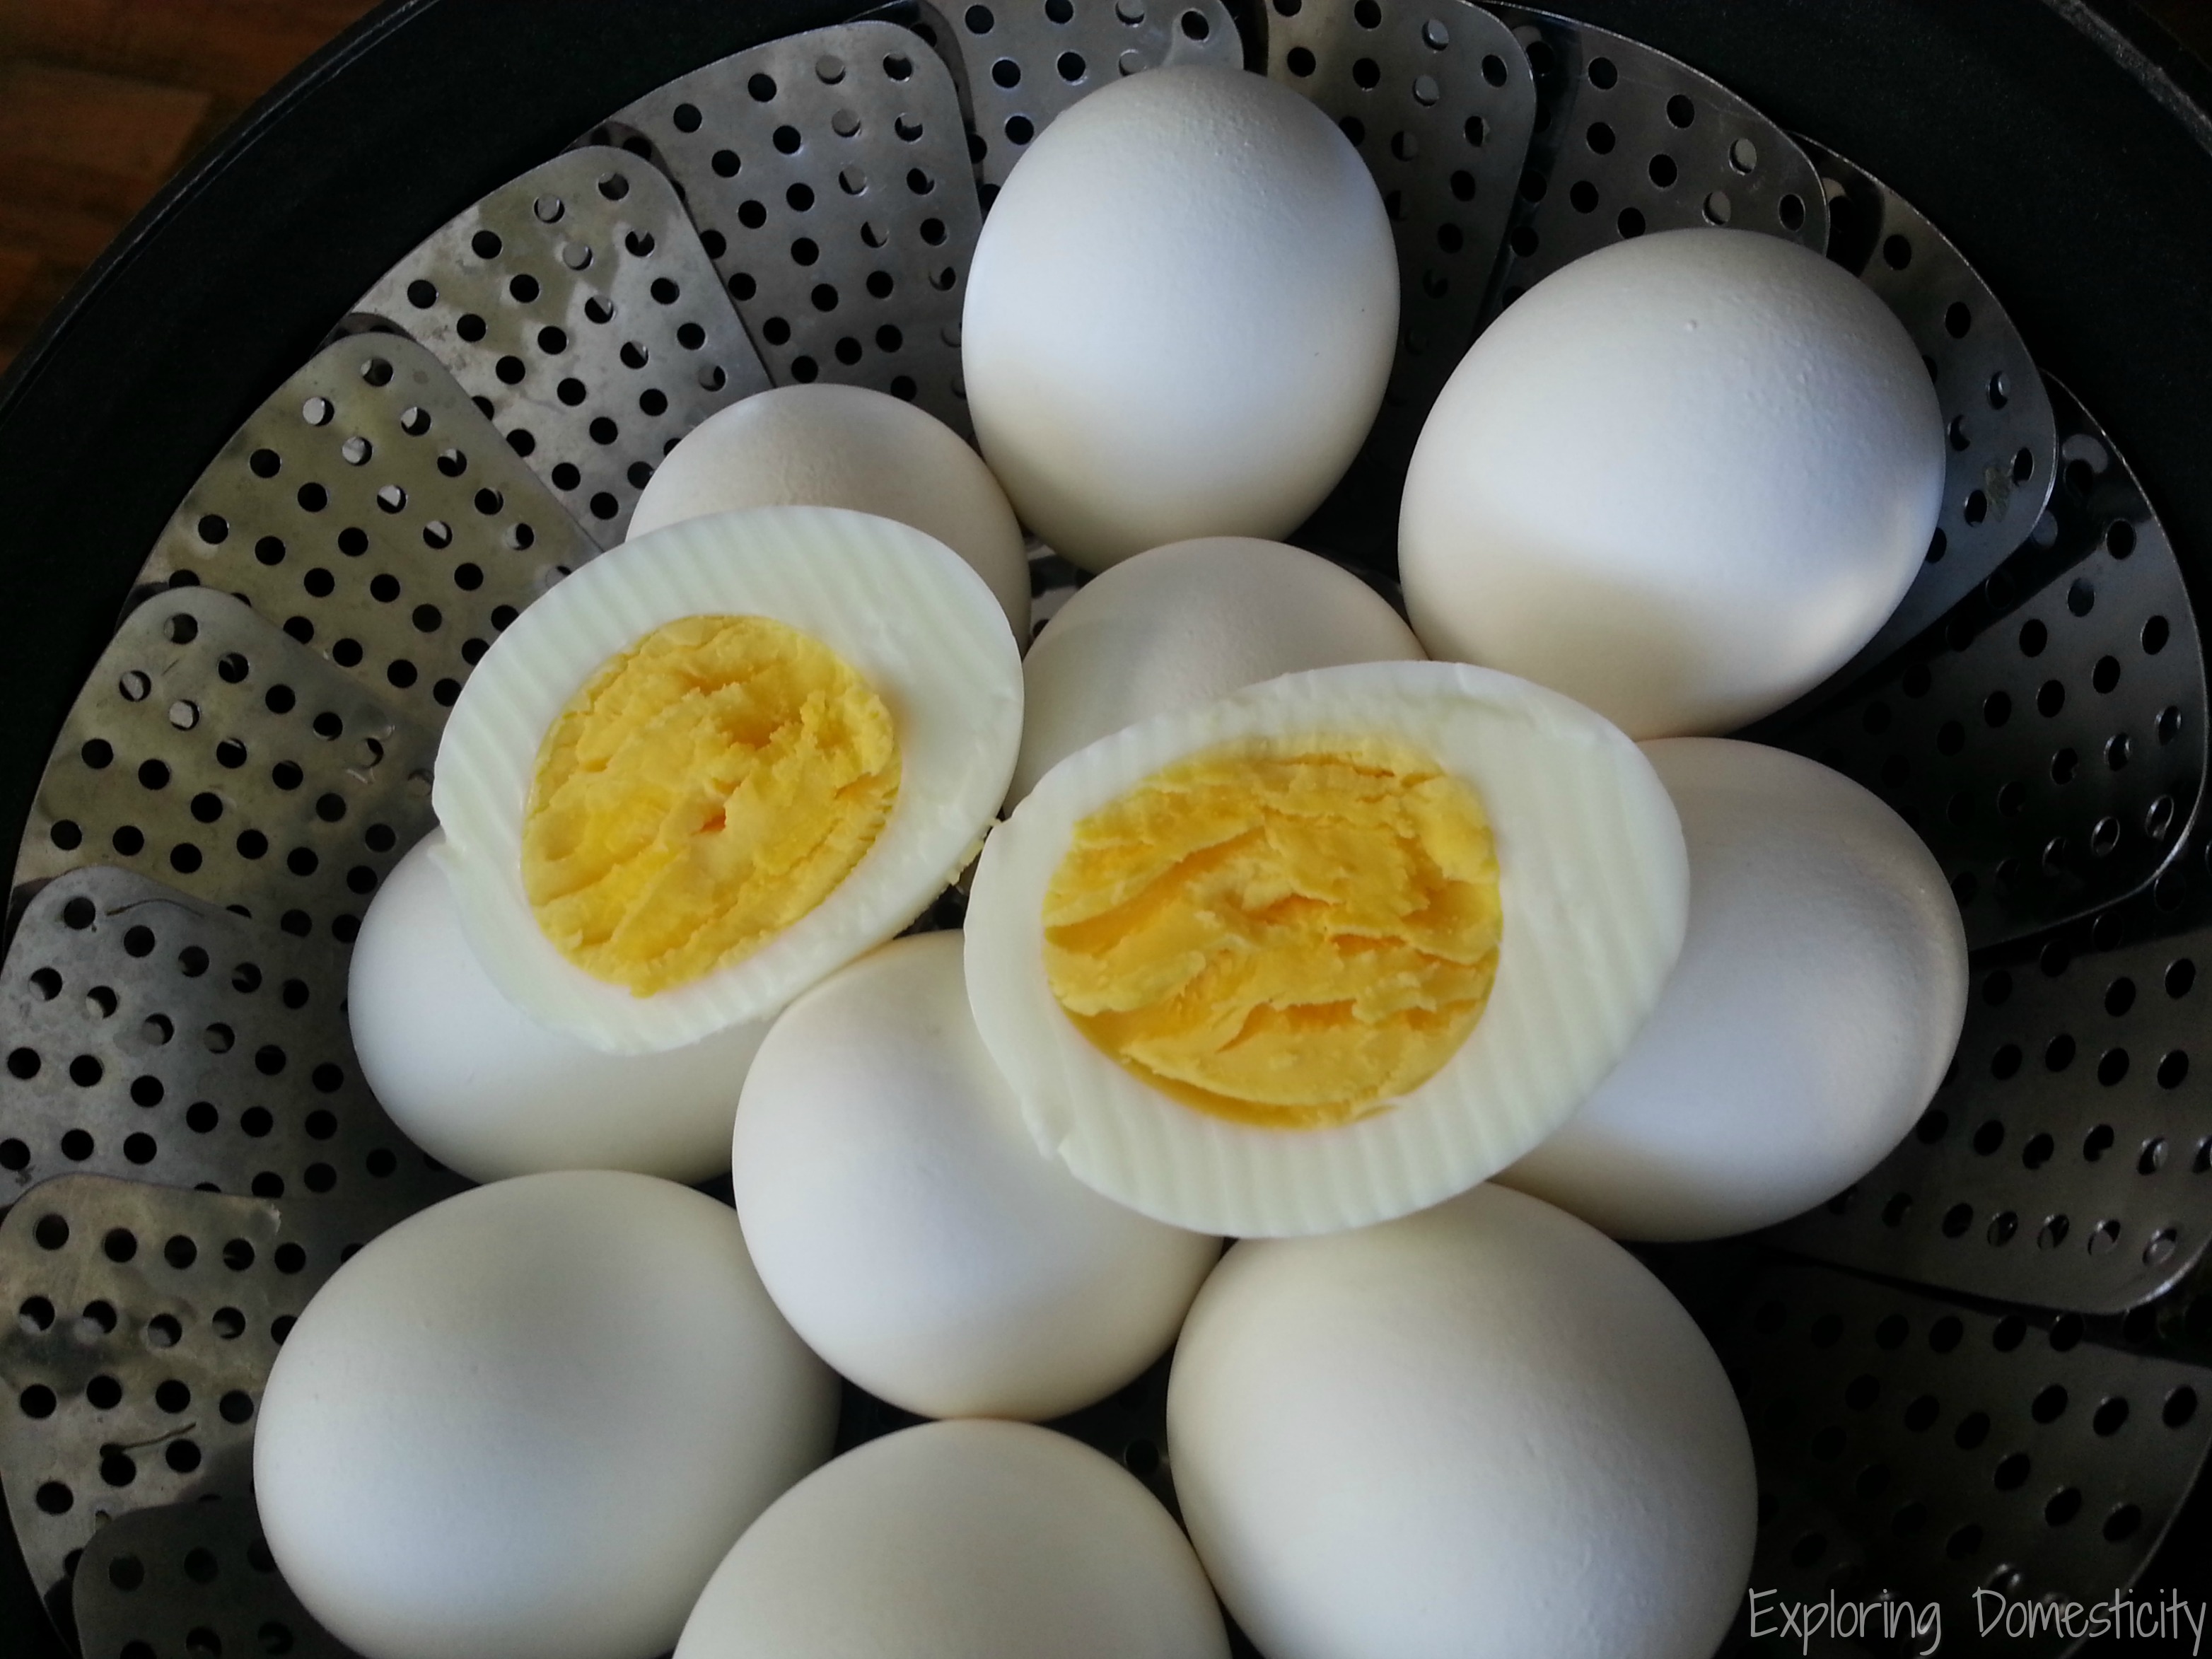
x,y
720,761
1328,950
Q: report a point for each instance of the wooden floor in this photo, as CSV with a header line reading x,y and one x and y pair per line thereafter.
x,y
100,100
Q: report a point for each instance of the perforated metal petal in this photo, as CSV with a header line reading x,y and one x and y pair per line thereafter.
x,y
1629,140
1438,97
370,509
1930,1450
211,753
161,1037
578,305
1019,63
142,1323
2048,739
190,1579
2003,439
828,175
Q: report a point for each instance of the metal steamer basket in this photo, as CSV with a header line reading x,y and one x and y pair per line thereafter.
x,y
401,352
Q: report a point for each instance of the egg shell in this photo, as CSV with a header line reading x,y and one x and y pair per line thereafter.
x,y
531,1419
1484,1429
486,1090
1594,882
1682,480
851,446
1816,1006
1180,316
1181,625
972,1538
899,606
910,1231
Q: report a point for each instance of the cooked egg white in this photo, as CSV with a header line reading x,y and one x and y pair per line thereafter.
x,y
719,761
1328,950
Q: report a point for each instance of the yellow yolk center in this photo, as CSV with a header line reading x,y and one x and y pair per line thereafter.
x,y
705,789
1288,933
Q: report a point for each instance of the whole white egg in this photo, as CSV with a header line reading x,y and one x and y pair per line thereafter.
x,y
1682,480
911,1231
1818,1000
1482,1431
486,1090
977,1539
1183,624
1180,316
851,446
531,1419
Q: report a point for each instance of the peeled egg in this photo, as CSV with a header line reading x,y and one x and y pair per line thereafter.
x,y
1683,480
907,1228
1183,624
846,445
719,762
486,1090
1480,1432
531,1419
972,1538
1326,950
1818,998
1180,316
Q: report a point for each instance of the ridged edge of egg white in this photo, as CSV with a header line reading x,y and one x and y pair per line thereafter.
x,y
886,598
1595,880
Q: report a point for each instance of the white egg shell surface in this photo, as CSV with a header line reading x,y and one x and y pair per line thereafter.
x,y
1484,1431
1181,625
531,1419
908,1228
1594,883
980,1539
851,446
486,1090
1180,316
915,622
1815,1008
1682,479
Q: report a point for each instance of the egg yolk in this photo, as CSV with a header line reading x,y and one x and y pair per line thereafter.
x,y
707,789
1288,933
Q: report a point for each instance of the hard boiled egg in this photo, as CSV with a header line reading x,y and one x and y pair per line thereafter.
x,y
1682,479
1480,1432
486,1090
1183,624
1180,316
904,1223
531,1419
846,445
1326,950
1820,995
976,1538
719,762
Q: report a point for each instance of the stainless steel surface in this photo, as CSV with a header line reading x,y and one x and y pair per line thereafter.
x,y
371,510
213,754
1439,98
829,177
2004,441
1628,141
1022,62
577,307
2048,741
1911,1446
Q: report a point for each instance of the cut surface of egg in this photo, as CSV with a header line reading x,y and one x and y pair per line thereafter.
x,y
1328,950
486,1090
1182,625
845,446
1818,1001
719,761
970,1540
